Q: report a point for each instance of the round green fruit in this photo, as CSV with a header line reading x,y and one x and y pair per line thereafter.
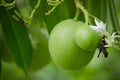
x,y
39,38
86,38
63,49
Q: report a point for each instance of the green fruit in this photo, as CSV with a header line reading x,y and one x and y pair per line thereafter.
x,y
39,38
63,49
86,38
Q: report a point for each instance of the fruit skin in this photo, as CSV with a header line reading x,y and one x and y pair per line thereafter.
x,y
63,49
86,38
39,38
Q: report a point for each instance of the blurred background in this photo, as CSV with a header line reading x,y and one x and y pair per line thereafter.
x,y
98,69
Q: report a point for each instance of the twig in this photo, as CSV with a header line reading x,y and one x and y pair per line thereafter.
x,y
81,7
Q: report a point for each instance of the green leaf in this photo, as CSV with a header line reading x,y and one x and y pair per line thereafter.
x,y
109,25
113,15
0,68
97,8
4,50
17,38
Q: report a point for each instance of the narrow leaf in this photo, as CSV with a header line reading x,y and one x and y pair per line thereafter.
x,y
113,14
0,68
97,8
17,38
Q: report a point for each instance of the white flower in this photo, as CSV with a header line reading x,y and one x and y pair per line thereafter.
x,y
100,27
110,41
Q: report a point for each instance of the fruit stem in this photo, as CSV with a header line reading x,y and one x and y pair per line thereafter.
x,y
76,17
81,7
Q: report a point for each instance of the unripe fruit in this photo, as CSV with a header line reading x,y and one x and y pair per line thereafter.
x,y
63,49
86,38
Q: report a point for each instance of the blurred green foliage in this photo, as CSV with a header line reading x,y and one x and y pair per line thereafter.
x,y
98,69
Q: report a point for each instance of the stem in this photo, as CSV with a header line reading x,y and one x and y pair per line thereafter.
x,y
20,18
94,17
54,4
81,7
114,15
76,17
8,5
34,10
